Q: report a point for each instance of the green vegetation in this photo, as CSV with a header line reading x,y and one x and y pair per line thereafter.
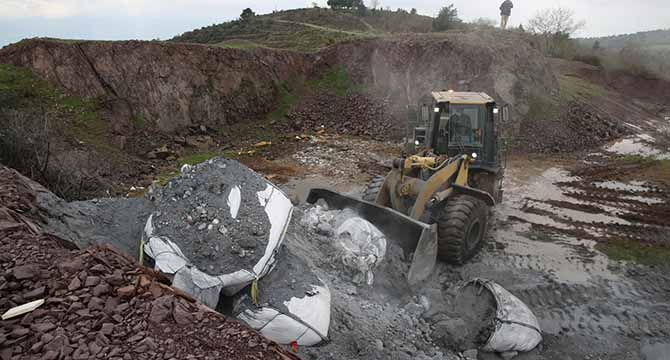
x,y
138,121
636,252
336,80
287,99
19,86
163,179
538,235
307,30
197,158
575,87
21,90
447,19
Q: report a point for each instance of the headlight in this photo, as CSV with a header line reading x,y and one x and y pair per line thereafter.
x,y
416,142
474,155
495,110
437,109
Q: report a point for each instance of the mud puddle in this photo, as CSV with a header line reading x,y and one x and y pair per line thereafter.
x,y
640,145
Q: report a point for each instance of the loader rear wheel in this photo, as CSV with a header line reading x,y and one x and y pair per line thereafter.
x,y
461,226
371,192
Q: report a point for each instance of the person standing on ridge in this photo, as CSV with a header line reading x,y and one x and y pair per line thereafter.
x,y
505,12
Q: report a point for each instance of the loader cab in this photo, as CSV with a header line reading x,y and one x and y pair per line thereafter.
x,y
461,123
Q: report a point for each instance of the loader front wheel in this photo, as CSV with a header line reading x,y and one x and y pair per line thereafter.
x,y
371,192
461,226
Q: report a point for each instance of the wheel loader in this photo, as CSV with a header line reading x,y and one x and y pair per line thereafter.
x,y
435,201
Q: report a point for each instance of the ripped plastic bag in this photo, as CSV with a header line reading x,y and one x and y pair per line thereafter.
x,y
516,327
292,303
363,247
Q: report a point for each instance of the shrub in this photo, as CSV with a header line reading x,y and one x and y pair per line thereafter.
x,y
447,19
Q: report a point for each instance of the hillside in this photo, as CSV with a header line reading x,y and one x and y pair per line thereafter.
x,y
307,30
656,39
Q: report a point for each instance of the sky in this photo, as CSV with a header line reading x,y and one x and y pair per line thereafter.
x,y
163,19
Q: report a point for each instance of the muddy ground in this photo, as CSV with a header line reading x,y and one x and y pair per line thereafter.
x,y
583,240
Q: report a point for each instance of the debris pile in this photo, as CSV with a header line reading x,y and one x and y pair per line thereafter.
x,y
353,114
344,158
361,245
581,128
98,303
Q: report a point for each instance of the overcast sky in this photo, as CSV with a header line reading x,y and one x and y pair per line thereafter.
x,y
149,19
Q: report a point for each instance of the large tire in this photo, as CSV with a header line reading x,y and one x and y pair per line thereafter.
x,y
371,192
461,228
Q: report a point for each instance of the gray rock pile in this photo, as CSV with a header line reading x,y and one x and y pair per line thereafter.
x,y
213,213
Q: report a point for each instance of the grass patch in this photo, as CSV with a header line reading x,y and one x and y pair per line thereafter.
x,y
287,99
163,179
138,121
537,235
336,80
635,252
239,44
197,158
574,87
19,86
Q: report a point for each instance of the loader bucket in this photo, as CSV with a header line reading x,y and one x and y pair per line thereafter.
x,y
414,237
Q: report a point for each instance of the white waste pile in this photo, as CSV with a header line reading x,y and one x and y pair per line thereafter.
x,y
362,246
191,246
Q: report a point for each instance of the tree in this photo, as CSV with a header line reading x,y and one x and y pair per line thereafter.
x,y
447,19
413,11
555,22
247,14
553,28
596,45
346,4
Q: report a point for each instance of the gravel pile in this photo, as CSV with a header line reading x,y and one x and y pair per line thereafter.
x,y
199,211
352,114
581,127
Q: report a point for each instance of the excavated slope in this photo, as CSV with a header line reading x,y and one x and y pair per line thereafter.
x,y
169,86
172,86
406,68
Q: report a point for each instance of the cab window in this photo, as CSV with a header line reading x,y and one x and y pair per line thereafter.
x,y
465,125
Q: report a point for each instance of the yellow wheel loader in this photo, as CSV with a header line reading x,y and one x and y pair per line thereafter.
x,y
435,203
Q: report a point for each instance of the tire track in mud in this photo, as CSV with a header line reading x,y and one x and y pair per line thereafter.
x,y
601,306
545,255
